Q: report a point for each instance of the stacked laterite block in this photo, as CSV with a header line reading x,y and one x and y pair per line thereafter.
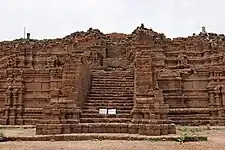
x,y
62,114
59,118
109,90
149,112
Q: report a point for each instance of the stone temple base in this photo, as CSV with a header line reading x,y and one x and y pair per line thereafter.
x,y
142,129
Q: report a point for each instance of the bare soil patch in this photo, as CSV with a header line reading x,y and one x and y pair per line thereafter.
x,y
216,141
111,145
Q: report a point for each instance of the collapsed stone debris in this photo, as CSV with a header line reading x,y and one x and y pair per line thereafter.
x,y
152,82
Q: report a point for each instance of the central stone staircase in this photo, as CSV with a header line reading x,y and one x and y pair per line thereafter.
x,y
109,90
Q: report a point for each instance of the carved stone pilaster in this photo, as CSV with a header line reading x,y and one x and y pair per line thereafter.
x,y
211,98
29,57
217,98
148,98
12,116
19,115
22,59
223,95
8,96
15,96
7,105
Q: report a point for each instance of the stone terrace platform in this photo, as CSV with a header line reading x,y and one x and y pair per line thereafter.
x,y
27,133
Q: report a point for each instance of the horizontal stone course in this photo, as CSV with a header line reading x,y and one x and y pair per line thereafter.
x,y
142,129
100,136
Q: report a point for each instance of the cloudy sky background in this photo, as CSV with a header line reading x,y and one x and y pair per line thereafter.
x,y
57,18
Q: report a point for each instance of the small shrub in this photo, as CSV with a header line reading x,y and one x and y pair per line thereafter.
x,y
190,135
184,135
2,136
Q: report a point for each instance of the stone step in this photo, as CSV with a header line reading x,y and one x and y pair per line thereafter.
x,y
189,118
111,73
190,115
131,79
112,79
191,122
105,120
109,101
108,104
111,91
104,127
97,111
108,98
93,85
32,117
113,88
107,107
115,84
110,95
96,115
92,91
107,78
111,82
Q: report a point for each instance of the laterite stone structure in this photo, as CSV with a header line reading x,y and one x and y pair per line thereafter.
x,y
152,82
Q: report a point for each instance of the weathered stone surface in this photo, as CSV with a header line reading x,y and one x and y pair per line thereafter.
x,y
151,81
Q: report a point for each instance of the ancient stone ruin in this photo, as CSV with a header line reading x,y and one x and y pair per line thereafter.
x,y
90,82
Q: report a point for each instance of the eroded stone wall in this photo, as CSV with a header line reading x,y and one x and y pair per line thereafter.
x,y
187,74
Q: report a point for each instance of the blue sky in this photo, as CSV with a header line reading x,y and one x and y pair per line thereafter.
x,y
57,18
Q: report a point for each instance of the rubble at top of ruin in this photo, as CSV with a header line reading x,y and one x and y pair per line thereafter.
x,y
141,33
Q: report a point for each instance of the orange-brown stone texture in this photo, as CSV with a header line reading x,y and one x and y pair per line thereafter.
x,y
152,81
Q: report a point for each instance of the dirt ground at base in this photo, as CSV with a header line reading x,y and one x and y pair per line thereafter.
x,y
111,145
216,141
